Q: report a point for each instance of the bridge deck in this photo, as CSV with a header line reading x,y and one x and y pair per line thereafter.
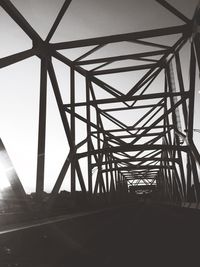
x,y
133,235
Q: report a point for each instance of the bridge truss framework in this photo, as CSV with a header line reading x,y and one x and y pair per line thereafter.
x,y
160,150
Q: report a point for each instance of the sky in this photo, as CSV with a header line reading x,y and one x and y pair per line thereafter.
x,y
19,91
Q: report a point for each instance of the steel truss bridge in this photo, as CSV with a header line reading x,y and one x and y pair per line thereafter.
x,y
157,149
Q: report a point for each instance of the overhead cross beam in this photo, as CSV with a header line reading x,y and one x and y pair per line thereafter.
x,y
183,29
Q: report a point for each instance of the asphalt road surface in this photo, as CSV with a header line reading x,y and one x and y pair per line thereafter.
x,y
132,235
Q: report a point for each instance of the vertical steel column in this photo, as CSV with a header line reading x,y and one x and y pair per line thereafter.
x,y
65,121
99,178
195,177
116,178
100,155
167,175
180,182
197,48
182,89
192,94
185,115
89,147
177,123
191,118
112,186
196,33
107,178
42,128
189,179
73,133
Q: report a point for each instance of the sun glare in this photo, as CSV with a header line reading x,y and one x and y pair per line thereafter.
x,y
3,179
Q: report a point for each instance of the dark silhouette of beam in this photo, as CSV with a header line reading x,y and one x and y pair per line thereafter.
x,y
173,10
129,148
119,58
42,129
123,37
9,60
20,20
125,69
135,97
58,19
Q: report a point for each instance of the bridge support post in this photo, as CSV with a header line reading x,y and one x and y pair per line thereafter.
x,y
42,129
